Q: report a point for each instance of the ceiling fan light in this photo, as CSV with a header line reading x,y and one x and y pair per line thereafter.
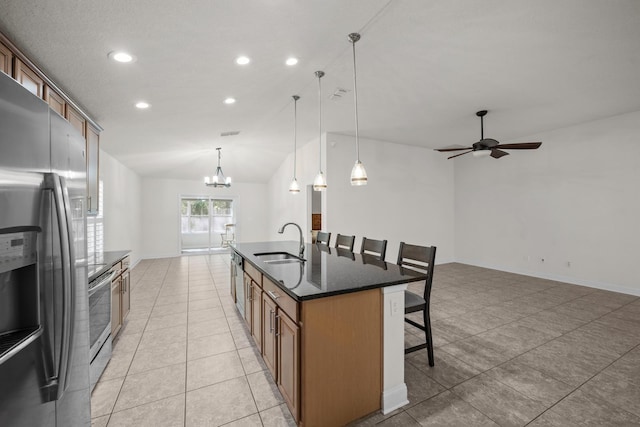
x,y
320,183
481,153
294,188
358,174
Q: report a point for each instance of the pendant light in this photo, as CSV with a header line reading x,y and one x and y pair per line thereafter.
x,y
294,188
320,183
358,173
218,180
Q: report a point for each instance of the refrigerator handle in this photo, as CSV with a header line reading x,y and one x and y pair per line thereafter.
x,y
61,201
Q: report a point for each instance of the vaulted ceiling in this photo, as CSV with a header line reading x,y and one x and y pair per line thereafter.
x,y
424,68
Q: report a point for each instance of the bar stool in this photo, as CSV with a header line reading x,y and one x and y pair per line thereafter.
x,y
345,242
421,259
374,247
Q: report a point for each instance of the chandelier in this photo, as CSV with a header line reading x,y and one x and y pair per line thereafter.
x,y
218,180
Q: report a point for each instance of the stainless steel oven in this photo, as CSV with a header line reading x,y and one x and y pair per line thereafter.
x,y
100,324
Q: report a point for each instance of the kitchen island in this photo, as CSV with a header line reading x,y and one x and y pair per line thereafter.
x,y
329,328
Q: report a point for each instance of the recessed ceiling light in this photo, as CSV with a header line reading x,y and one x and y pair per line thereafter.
x,y
291,61
142,105
242,60
230,101
120,56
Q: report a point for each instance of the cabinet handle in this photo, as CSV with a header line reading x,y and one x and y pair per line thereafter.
x,y
89,198
276,317
273,295
270,320
250,287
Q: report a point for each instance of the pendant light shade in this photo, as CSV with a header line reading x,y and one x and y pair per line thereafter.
x,y
294,188
218,180
320,183
358,173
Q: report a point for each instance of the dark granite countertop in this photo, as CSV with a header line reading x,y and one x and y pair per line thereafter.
x,y
100,262
326,271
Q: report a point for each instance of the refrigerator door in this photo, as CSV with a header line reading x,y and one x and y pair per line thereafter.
x,y
24,379
69,164
24,149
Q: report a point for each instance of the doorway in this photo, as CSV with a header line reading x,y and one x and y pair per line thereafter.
x,y
207,224
314,210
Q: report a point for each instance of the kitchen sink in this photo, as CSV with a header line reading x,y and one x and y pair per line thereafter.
x,y
278,258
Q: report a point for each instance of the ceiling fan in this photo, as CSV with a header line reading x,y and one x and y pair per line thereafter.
x,y
489,146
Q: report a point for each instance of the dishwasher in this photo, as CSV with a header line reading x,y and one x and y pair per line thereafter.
x,y
237,281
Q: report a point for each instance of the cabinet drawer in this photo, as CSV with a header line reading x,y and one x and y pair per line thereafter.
x,y
126,261
117,267
253,273
284,301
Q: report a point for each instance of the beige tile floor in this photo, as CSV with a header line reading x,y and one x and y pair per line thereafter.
x,y
511,350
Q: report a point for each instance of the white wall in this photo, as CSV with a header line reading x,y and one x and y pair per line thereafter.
x,y
575,200
160,205
121,207
409,195
287,207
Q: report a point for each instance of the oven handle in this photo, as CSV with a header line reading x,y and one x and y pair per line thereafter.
x,y
102,284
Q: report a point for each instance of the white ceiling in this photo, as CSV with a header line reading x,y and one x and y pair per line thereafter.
x,y
424,69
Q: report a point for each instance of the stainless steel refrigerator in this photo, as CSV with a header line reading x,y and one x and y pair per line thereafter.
x,y
44,320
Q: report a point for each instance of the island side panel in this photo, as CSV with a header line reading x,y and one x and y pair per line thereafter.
x,y
341,376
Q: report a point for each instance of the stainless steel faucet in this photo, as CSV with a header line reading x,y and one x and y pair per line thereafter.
x,y
281,230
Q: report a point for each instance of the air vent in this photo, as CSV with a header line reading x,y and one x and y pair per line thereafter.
x,y
338,94
231,133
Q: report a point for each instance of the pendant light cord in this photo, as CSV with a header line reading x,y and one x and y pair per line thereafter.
x,y
295,132
320,74
355,98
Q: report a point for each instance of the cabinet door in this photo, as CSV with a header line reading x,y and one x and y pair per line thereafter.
x,y
256,314
6,60
269,335
288,334
29,79
93,170
55,101
126,294
76,119
247,300
116,306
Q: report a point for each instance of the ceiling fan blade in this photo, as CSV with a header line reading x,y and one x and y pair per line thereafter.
x,y
459,154
453,149
496,154
520,146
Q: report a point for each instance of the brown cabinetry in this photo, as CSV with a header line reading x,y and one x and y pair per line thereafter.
x,y
281,343
288,345
55,101
253,305
28,78
126,294
6,60
93,170
76,119
116,306
120,295
256,314
325,354
269,311
14,63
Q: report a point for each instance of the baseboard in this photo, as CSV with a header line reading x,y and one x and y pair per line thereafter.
x,y
157,256
394,398
559,278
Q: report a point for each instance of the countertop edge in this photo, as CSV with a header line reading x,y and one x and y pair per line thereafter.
x,y
299,298
117,256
